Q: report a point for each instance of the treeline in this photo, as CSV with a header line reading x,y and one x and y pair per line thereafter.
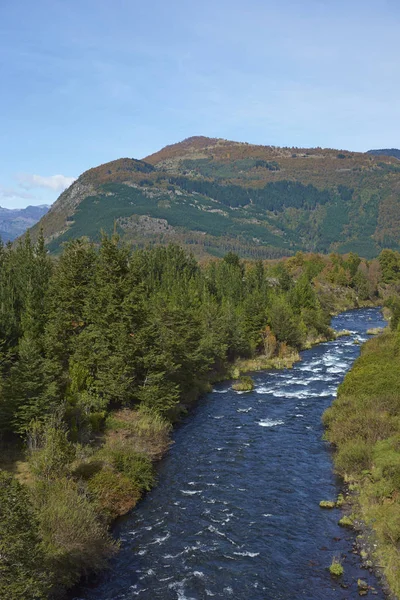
x,y
100,352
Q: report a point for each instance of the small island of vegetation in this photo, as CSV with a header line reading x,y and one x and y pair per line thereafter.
x,y
245,384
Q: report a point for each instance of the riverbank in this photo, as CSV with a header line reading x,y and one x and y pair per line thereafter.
x,y
117,424
268,443
363,423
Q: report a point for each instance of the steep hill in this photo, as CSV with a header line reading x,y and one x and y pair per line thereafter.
x,y
14,222
216,195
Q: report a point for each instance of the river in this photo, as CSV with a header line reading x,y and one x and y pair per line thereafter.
x,y
236,510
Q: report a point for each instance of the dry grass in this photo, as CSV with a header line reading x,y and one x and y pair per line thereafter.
x,y
144,431
259,363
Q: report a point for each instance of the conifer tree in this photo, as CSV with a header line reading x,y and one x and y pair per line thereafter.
x,y
67,297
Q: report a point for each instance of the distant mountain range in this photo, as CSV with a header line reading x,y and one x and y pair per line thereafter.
x,y
386,152
213,195
14,222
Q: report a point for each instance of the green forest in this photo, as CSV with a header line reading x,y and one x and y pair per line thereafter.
x,y
103,350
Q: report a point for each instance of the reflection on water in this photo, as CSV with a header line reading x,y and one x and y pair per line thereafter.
x,y
236,510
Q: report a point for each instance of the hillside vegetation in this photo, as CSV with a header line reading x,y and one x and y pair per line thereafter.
x,y
215,196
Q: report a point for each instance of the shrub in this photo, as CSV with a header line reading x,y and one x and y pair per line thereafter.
x,y
245,384
340,500
74,540
145,431
50,451
353,456
327,504
346,521
23,572
114,493
136,467
387,522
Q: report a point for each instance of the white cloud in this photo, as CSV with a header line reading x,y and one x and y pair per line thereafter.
x,y
57,183
14,193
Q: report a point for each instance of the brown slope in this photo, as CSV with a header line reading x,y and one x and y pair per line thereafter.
x,y
55,222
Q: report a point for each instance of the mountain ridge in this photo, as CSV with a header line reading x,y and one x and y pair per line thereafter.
x,y
386,152
214,195
15,221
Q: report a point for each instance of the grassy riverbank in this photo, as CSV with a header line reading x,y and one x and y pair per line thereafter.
x,y
364,425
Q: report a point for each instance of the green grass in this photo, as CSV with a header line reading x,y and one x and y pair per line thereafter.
x,y
327,504
364,425
336,568
346,521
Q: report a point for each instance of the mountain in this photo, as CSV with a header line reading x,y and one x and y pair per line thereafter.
x,y
215,195
14,222
386,152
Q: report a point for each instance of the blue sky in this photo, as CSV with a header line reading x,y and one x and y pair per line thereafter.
x,y
88,81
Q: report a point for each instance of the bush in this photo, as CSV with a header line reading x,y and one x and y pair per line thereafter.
x,y
327,504
114,494
75,542
136,467
23,572
353,456
50,451
387,522
245,384
143,430
346,521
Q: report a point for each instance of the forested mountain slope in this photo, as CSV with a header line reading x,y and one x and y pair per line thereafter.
x,y
214,195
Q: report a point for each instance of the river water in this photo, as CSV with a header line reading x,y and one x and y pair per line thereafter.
x,y
236,510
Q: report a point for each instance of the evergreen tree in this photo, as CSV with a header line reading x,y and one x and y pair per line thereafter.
x,y
283,322
302,295
67,296
108,346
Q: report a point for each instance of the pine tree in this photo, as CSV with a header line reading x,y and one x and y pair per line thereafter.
x,y
66,298
26,385
283,322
